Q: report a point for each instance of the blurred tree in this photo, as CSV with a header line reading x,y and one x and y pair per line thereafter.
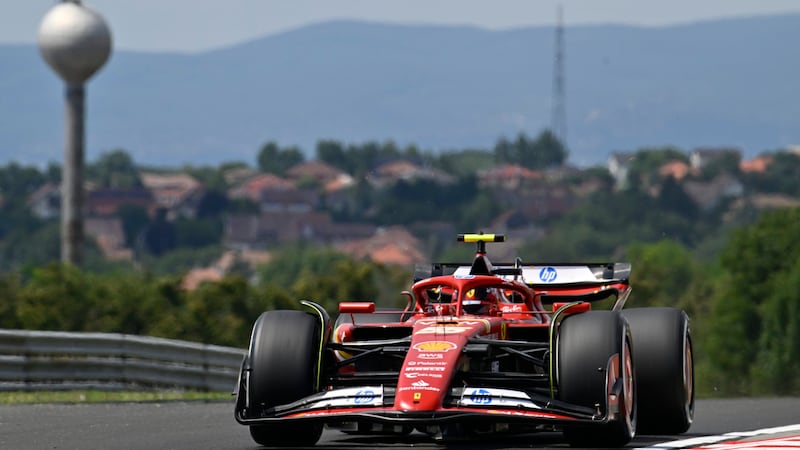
x,y
333,153
197,233
160,236
134,221
218,313
114,170
17,183
648,161
464,163
757,259
782,176
662,273
273,159
777,369
543,152
10,286
57,297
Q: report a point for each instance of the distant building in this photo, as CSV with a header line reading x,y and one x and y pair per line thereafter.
x,y
675,169
177,193
317,171
108,233
619,165
708,194
508,177
106,202
699,158
391,172
45,202
390,246
759,164
271,228
253,187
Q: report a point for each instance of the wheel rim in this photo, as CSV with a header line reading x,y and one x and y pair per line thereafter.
x,y
628,384
688,375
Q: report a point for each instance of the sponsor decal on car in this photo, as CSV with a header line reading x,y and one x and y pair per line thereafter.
x,y
419,385
511,308
415,375
480,397
425,369
435,346
365,396
427,363
430,356
443,329
496,397
548,274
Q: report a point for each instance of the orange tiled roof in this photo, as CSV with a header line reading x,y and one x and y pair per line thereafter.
x,y
756,165
676,169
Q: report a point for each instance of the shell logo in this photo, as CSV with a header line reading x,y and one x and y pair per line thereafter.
x,y
435,346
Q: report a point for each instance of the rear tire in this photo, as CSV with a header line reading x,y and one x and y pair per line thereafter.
x,y
664,369
585,344
284,351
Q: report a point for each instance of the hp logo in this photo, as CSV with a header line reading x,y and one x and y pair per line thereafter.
x,y
365,396
548,274
480,396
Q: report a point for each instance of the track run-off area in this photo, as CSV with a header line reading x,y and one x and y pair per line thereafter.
x,y
720,424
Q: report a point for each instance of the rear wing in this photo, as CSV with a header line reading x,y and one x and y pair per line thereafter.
x,y
558,281
545,275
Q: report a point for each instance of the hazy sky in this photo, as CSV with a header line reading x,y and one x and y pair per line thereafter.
x,y
196,25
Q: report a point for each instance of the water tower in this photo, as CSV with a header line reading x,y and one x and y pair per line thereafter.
x,y
75,42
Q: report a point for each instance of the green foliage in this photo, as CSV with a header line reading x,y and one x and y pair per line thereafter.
x,y
327,277
543,152
662,273
728,163
464,163
181,260
134,221
197,233
220,312
777,369
212,177
274,159
333,153
17,183
424,200
605,223
16,248
752,313
756,254
114,170
781,177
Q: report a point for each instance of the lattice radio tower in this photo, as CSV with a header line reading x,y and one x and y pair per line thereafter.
x,y
558,119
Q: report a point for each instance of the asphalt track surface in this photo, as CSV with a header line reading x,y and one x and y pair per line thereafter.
x,y
199,425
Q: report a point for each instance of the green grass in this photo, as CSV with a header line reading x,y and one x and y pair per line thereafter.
x,y
95,396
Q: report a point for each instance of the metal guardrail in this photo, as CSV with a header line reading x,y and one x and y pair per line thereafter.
x,y
52,360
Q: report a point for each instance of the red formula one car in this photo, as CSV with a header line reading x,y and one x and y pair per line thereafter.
x,y
480,348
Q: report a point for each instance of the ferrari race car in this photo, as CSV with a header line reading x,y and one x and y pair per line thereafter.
x,y
480,348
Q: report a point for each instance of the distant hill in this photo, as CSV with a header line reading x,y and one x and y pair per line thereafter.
x,y
717,83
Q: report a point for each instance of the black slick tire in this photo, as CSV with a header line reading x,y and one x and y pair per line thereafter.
x,y
283,355
586,343
664,369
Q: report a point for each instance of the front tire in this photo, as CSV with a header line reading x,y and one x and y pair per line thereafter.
x,y
586,344
283,357
664,369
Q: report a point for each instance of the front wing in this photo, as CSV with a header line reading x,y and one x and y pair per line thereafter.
x,y
462,405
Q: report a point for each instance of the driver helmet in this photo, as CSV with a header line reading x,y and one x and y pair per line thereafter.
x,y
477,301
